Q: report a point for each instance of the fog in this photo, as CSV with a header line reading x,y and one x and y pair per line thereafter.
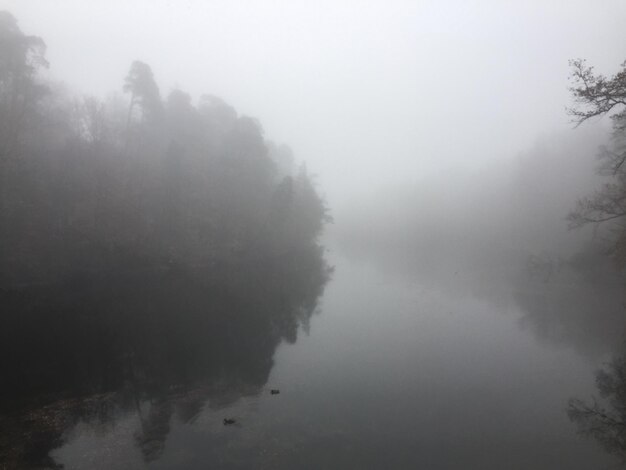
x,y
367,93
262,234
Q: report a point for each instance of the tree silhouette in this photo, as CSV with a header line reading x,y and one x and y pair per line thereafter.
x,y
143,90
596,95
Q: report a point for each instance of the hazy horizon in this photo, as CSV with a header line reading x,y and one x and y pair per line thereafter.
x,y
369,94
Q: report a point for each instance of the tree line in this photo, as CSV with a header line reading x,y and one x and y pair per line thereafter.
x,y
90,185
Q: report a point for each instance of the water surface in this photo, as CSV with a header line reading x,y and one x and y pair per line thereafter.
x,y
388,373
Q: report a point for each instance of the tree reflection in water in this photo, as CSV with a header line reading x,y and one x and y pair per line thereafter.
x,y
157,343
605,419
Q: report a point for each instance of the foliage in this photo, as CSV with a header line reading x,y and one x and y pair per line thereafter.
x,y
21,57
143,89
169,183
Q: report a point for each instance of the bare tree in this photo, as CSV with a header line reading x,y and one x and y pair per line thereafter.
x,y
596,95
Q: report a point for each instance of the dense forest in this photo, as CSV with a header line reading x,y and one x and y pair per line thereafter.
x,y
146,244
87,184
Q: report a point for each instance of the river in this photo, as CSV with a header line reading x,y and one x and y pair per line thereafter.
x,y
387,373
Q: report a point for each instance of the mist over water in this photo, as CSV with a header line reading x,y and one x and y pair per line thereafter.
x,y
291,235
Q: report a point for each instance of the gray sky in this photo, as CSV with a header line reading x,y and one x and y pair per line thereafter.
x,y
369,93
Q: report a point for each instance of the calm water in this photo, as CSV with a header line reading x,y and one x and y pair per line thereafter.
x,y
387,374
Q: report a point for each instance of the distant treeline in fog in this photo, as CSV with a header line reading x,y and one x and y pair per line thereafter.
x,y
502,233
89,185
485,222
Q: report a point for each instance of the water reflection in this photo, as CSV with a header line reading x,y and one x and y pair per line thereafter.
x,y
146,343
574,302
604,419
580,305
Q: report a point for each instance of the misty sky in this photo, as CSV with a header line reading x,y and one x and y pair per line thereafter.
x,y
367,92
